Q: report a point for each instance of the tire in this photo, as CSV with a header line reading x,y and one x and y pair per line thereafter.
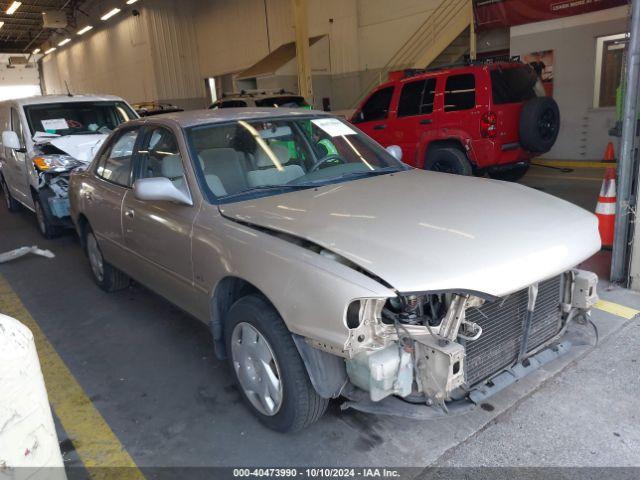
x,y
45,226
295,404
448,159
9,201
510,175
107,277
539,124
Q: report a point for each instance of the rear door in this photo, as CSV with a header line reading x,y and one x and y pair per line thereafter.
x,y
414,117
374,115
158,233
102,196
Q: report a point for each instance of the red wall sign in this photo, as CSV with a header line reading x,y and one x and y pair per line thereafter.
x,y
506,13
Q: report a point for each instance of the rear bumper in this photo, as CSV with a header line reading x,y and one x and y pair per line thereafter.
x,y
489,153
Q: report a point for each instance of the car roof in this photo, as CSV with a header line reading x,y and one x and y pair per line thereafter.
x,y
44,99
203,117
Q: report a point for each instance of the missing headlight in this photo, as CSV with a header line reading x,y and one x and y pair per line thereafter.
x,y
428,309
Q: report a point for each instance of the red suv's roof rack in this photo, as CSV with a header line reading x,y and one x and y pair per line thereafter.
x,y
412,72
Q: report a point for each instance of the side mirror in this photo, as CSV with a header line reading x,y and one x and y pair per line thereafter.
x,y
10,140
160,189
395,151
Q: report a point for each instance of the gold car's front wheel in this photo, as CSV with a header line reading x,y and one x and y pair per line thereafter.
x,y
267,367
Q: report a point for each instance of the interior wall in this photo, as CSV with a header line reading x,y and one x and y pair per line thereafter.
x,y
584,129
18,81
115,59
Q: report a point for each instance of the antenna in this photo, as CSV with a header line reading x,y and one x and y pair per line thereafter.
x,y
68,91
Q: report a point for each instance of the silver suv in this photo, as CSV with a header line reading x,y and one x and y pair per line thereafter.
x,y
43,139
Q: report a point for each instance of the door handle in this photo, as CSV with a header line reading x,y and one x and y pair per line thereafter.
x,y
426,121
379,127
129,213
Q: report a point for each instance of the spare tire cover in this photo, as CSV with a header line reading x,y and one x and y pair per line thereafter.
x,y
539,124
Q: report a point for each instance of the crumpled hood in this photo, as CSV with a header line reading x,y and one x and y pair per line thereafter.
x,y
425,231
80,147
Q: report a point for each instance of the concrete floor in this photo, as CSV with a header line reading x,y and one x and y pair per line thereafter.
x,y
149,370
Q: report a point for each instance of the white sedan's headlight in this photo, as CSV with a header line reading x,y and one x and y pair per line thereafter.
x,y
54,163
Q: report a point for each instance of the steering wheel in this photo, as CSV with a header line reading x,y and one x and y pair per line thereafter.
x,y
324,160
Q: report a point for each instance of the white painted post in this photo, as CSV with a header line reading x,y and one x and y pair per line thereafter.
x,y
28,441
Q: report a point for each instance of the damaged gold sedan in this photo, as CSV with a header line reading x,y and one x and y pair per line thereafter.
x,y
327,268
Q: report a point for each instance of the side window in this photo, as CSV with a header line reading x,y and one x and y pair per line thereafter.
x,y
416,98
460,93
115,164
377,107
16,125
160,157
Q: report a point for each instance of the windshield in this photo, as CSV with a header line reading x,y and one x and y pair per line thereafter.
x,y
76,118
248,158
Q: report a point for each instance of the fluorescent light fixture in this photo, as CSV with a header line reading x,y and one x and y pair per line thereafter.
x,y
13,7
85,29
36,51
64,42
52,49
1,24
110,14
131,2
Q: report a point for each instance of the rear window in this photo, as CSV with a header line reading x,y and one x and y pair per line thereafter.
x,y
513,85
232,104
417,98
460,93
284,102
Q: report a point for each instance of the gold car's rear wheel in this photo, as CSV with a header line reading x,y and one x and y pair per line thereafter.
x,y
105,275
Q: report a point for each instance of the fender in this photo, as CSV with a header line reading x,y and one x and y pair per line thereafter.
x,y
442,135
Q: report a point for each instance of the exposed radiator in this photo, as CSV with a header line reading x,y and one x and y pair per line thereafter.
x,y
502,325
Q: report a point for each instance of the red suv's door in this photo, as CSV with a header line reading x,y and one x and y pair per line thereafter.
x,y
373,116
414,117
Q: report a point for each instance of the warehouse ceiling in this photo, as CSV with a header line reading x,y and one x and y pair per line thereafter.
x,y
23,30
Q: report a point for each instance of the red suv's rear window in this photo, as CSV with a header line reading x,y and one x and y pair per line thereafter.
x,y
513,85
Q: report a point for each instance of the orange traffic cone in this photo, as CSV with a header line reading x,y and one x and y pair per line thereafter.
x,y
609,153
606,208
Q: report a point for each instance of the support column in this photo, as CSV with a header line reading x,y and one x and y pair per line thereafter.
x,y
473,49
303,60
628,169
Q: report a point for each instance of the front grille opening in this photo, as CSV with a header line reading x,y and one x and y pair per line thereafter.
x,y
502,323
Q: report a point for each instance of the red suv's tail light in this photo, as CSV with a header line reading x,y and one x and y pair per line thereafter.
x,y
489,125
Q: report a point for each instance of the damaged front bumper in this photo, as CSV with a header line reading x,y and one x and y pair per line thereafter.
x,y
475,351
395,406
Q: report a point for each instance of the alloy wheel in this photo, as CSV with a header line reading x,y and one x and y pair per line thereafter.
x,y
256,368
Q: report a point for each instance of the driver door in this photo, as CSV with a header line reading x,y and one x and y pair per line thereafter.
x,y
17,169
158,233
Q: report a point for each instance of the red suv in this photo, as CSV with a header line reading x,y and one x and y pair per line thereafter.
x,y
475,119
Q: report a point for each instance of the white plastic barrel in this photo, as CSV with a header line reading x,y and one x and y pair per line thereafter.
x,y
28,440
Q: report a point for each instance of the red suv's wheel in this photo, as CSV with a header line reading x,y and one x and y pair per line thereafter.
x,y
448,159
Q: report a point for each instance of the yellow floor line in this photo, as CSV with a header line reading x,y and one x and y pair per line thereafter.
x,y
573,164
94,441
616,309
563,176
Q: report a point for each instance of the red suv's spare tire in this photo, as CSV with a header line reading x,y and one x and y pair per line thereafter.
x,y
539,124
